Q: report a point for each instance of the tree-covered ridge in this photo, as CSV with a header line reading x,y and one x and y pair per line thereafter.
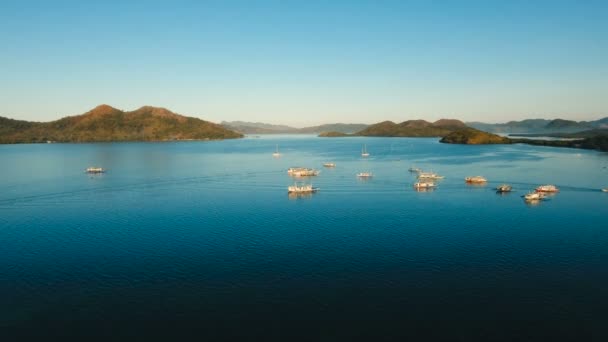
x,y
105,123
472,136
412,128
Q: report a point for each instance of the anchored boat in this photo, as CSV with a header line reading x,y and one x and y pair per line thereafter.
x,y
364,175
95,170
364,152
547,188
301,189
476,180
329,164
429,175
302,172
504,188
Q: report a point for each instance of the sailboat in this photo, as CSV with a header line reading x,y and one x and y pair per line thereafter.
x,y
276,153
364,152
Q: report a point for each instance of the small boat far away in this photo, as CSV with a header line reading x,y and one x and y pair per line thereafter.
x,y
364,175
429,175
414,169
534,196
329,164
547,188
302,171
605,189
95,170
364,152
475,180
504,188
301,189
276,153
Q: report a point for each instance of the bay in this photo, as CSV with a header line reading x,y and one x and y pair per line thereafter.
x,y
201,238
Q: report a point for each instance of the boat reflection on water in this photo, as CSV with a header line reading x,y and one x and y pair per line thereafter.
x,y
299,195
424,189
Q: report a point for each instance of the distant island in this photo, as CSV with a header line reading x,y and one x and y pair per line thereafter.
x,y
410,128
593,140
265,128
105,123
540,126
472,136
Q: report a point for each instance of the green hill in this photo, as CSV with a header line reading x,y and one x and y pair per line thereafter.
x,y
472,136
333,134
412,128
105,123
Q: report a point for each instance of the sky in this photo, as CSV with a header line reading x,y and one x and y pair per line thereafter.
x,y
303,63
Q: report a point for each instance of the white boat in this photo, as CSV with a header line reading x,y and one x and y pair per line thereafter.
x,y
475,179
95,170
534,196
364,175
364,152
301,189
605,189
429,175
302,172
424,185
329,164
504,188
547,188
276,153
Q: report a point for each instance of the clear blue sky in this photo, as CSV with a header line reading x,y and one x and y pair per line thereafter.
x,y
307,62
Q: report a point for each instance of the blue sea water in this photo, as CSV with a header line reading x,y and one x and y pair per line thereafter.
x,y
201,239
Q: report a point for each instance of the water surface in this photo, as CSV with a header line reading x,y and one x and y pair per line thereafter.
x,y
201,238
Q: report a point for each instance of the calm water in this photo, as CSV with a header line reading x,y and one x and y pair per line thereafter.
x,y
201,238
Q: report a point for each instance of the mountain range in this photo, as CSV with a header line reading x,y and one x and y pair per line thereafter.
x,y
264,128
105,123
412,128
540,126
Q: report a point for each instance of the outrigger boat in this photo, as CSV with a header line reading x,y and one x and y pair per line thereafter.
x,y
429,175
302,172
504,188
547,188
301,189
534,196
476,180
95,170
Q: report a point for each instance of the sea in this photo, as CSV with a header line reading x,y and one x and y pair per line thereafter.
x,y
199,240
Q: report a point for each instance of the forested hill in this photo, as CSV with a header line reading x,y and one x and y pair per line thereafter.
x,y
105,123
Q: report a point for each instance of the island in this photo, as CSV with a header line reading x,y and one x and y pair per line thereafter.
x,y
472,136
592,140
107,124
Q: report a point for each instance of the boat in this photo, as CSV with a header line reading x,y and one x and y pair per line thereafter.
x,y
504,188
302,171
547,188
429,175
475,179
95,170
276,153
424,185
301,189
605,189
534,196
364,175
414,169
329,164
364,152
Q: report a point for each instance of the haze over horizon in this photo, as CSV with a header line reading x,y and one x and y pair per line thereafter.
x,y
309,63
